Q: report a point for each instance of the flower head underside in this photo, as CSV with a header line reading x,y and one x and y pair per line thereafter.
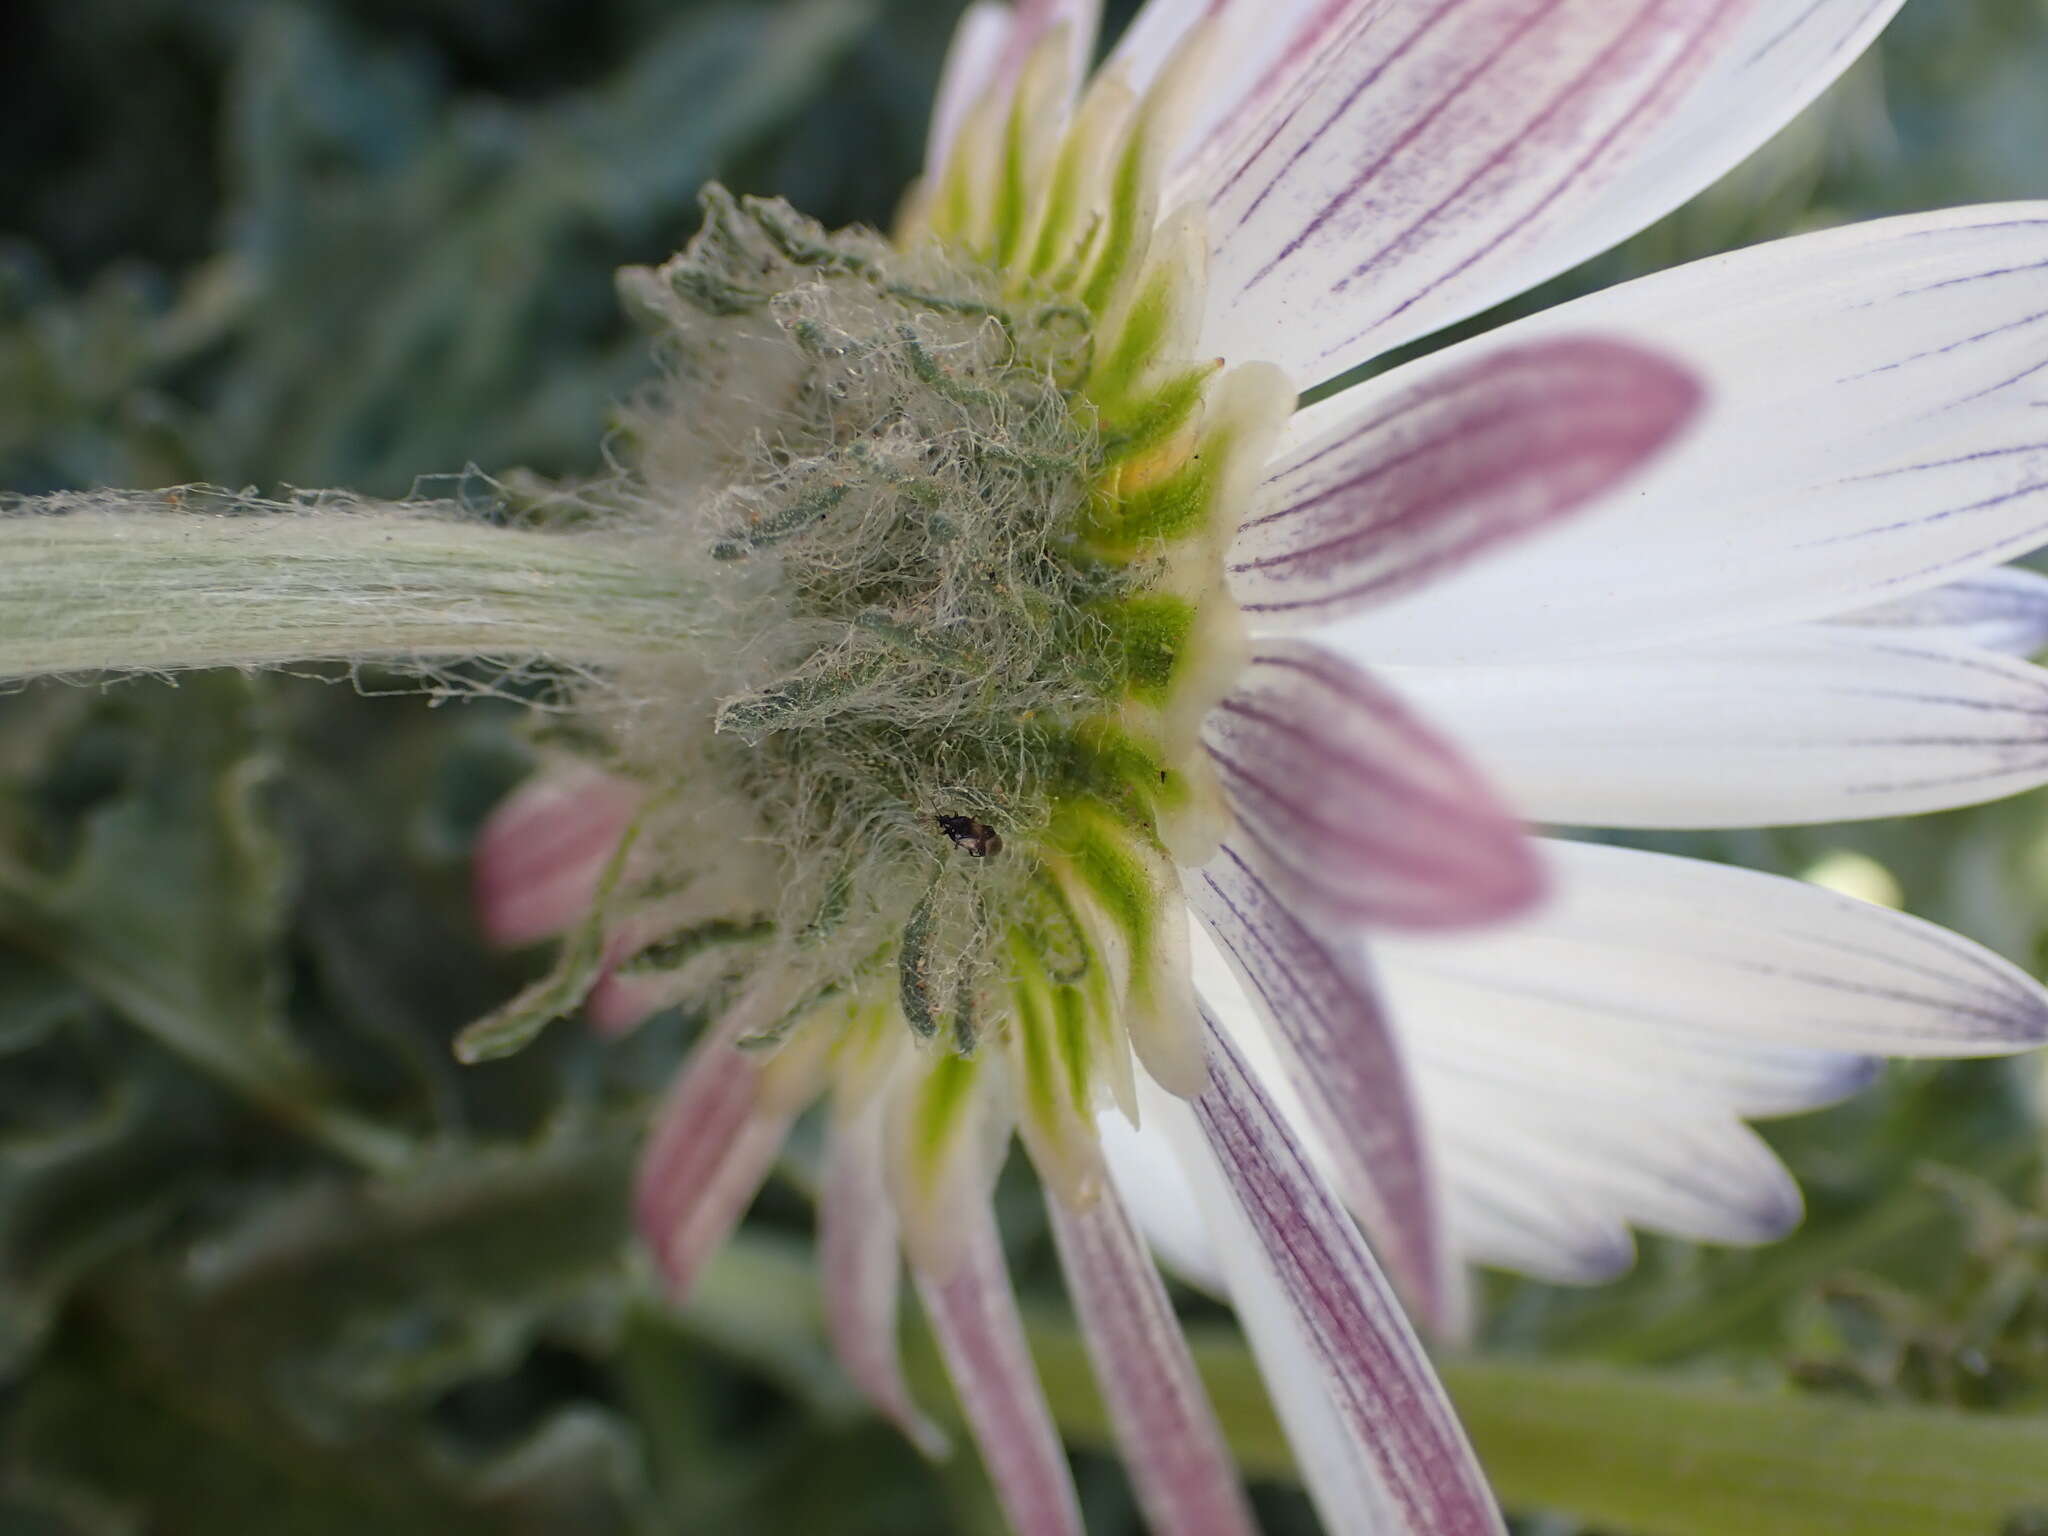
x,y
997,713
957,507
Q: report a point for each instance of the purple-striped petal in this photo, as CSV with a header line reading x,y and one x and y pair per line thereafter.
x,y
1344,1060
1657,1056
1425,479
618,1004
541,853
1785,55
1360,811
973,1314
711,1149
857,1252
1379,1381
1874,427
1173,1449
1811,723
1656,950
2004,609
1404,177
1590,1065
1264,48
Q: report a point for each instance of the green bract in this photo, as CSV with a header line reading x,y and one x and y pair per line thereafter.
x,y
955,507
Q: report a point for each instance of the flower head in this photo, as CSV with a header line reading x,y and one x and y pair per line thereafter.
x,y
970,695
1034,643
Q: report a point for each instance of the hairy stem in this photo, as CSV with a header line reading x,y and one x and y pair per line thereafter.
x,y
146,581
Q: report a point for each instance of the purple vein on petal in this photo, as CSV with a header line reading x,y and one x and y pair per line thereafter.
x,y
1344,1060
1661,93
2003,609
711,1149
1792,28
1380,1382
1363,813
1600,67
1966,279
857,1252
1264,106
1358,184
1485,124
1179,1464
973,1314
1437,391
1500,448
1992,333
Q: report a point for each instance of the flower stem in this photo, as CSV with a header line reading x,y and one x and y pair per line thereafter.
x,y
1662,1454
146,581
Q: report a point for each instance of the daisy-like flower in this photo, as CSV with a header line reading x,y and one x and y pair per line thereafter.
x,y
973,724
1753,509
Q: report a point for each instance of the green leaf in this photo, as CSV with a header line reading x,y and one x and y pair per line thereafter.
x,y
169,907
106,1162
346,1356
213,1459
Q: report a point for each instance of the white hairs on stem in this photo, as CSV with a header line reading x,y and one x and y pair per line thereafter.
x,y
128,581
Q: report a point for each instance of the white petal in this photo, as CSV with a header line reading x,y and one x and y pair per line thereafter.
x,y
1035,18
1700,1175
1811,723
1159,1197
990,46
1292,1362
978,43
1401,178
1503,1217
1145,45
1262,47
1786,54
1588,1065
1757,81
1783,57
1336,1480
1874,426
1680,947
2002,609
1451,1023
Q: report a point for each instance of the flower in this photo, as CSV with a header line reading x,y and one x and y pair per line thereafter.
x,y
1716,548
975,606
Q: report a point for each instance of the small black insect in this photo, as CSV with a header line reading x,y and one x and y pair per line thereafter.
x,y
977,837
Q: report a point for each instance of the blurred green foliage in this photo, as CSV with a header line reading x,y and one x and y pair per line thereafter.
x,y
269,1261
